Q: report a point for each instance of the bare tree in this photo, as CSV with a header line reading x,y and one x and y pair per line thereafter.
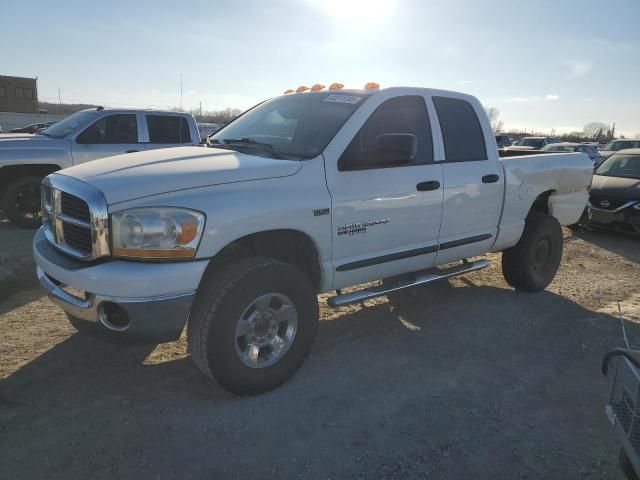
x,y
494,118
594,130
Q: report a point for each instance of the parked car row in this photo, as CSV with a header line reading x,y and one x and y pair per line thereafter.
x,y
567,147
533,143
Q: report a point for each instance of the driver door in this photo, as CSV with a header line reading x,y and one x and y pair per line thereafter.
x,y
386,217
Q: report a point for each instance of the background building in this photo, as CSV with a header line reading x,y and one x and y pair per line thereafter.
x,y
18,94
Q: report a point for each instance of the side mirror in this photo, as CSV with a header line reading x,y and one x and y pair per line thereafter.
x,y
396,148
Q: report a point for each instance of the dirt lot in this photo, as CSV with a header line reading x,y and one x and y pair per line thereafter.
x,y
465,379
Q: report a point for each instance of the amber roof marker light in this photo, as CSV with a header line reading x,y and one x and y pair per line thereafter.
x,y
317,87
372,86
287,92
336,86
302,88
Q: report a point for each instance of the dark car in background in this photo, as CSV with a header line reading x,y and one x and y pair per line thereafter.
x,y
32,128
614,200
566,147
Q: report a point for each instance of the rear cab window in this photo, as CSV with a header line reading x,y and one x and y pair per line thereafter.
x,y
461,130
171,129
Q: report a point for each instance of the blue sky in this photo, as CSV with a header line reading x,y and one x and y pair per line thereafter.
x,y
545,64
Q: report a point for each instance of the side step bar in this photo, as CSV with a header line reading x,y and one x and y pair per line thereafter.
x,y
406,281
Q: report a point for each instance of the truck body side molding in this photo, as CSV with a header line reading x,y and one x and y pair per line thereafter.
x,y
368,262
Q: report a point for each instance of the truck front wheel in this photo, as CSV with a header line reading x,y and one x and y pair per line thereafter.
x,y
21,202
532,263
252,324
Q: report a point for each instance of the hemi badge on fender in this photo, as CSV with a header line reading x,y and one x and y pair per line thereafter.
x,y
318,212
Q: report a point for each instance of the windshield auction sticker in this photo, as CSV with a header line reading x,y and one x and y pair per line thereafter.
x,y
341,98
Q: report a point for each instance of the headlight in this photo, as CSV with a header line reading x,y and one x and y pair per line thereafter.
x,y
162,232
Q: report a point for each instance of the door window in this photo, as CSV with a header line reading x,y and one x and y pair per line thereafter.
x,y
461,130
398,115
168,129
111,129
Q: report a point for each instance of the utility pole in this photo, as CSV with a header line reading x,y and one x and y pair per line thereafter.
x,y
59,101
200,109
180,92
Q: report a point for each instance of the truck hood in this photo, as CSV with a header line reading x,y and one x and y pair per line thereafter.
x,y
25,148
616,187
128,177
29,140
6,136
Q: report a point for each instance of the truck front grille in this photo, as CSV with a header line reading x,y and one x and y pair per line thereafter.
x,y
75,207
75,217
76,237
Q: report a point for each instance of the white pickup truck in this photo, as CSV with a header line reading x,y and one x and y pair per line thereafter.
x,y
25,159
305,193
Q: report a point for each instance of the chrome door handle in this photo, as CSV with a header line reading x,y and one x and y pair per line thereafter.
x,y
428,186
493,178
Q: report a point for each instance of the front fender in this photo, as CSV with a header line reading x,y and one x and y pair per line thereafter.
x,y
235,210
35,156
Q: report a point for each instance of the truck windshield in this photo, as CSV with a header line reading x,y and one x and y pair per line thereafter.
x,y
620,165
68,125
298,125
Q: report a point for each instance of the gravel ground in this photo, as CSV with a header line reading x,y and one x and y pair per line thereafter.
x,y
463,379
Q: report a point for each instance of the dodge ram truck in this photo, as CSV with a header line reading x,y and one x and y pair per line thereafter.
x,y
305,193
26,159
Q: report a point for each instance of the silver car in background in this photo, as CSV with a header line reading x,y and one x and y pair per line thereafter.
x,y
566,147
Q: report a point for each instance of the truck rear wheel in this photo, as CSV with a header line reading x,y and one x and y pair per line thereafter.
x,y
21,202
253,324
532,264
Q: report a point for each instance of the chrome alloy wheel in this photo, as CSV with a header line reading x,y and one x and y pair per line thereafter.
x,y
265,330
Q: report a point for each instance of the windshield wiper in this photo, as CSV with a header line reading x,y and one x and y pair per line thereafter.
x,y
215,143
250,142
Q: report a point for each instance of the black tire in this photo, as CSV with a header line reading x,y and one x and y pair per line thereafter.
x,y
21,202
224,294
532,264
626,466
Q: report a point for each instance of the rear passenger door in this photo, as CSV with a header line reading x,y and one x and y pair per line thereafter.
x,y
473,183
165,131
109,135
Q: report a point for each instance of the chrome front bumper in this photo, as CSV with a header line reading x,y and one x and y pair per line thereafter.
x,y
94,293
